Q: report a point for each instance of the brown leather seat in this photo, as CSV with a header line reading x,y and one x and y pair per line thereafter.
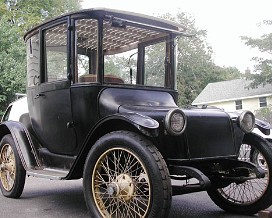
x,y
91,78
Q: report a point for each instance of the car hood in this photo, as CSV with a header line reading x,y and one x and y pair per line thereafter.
x,y
141,101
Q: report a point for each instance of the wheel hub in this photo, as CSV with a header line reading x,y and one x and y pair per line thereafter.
x,y
113,189
123,187
7,167
261,162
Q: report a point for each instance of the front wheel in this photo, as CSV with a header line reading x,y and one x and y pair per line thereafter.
x,y
258,159
12,172
254,194
126,176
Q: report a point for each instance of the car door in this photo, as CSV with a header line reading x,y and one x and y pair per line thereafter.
x,y
52,119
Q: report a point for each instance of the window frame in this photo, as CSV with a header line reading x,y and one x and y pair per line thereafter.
x,y
262,104
29,44
92,57
239,104
6,114
43,54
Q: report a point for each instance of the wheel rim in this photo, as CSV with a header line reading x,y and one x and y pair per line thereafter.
x,y
7,167
120,184
261,161
250,191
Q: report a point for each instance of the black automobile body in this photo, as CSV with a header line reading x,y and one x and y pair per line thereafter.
x,y
119,127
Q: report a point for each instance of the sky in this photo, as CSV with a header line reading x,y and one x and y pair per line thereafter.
x,y
225,21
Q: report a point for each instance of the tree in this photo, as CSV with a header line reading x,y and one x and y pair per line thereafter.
x,y
17,16
264,113
12,64
263,66
195,64
25,14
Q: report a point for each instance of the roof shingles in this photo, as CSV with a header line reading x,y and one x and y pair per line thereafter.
x,y
230,90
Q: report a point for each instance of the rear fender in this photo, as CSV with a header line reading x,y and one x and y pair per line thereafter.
x,y
23,142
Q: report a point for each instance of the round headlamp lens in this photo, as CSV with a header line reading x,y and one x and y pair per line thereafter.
x,y
175,122
247,121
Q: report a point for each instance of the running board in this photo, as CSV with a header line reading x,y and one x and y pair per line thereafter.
x,y
48,173
180,187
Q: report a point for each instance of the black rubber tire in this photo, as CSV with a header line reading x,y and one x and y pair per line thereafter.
x,y
147,154
20,173
264,200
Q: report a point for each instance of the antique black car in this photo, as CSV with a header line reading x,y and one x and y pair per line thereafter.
x,y
102,106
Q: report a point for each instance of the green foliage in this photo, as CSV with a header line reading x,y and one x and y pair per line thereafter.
x,y
25,14
195,64
264,114
154,64
115,65
263,67
17,16
12,63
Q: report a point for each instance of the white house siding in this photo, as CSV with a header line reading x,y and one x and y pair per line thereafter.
x,y
251,104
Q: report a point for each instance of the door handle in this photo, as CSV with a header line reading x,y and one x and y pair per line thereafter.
x,y
39,95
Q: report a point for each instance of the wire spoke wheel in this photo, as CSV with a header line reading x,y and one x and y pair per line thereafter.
x,y
12,172
121,186
251,190
252,194
7,167
259,160
126,176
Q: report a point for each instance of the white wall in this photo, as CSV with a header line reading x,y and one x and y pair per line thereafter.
x,y
251,104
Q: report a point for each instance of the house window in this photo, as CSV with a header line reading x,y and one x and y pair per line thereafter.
x,y
238,105
263,102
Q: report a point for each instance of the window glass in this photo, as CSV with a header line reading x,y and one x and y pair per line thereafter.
x,y
155,64
239,105
33,60
263,102
86,50
121,68
122,45
56,53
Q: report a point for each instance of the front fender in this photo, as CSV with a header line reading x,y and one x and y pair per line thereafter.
x,y
255,139
144,124
23,142
263,126
120,121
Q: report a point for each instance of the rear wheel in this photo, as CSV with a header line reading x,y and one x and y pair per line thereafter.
x,y
126,176
254,194
12,172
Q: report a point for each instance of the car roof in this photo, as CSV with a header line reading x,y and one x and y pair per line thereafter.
x,y
136,18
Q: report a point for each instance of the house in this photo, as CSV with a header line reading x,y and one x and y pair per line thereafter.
x,y
235,95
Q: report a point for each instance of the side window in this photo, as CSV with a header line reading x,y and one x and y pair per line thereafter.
x,y
86,50
56,53
155,64
33,60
